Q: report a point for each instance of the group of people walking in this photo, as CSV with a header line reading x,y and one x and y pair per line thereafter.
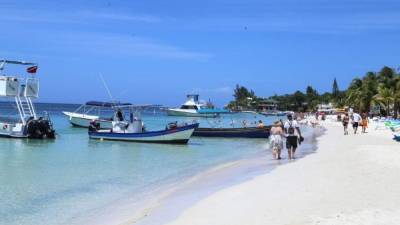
x,y
289,130
356,121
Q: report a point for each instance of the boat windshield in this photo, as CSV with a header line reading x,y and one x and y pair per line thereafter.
x,y
189,107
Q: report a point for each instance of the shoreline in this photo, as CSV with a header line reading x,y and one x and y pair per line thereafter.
x,y
217,178
346,182
154,206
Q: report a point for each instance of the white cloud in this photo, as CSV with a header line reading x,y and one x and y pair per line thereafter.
x,y
218,90
121,45
121,16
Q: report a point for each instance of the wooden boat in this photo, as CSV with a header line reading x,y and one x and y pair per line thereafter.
x,y
135,132
249,132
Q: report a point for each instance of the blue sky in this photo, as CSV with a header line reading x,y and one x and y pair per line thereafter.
x,y
157,51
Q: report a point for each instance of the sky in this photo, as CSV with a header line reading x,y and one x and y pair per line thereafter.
x,y
156,52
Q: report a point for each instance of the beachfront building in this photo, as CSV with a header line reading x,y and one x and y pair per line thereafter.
x,y
326,108
267,104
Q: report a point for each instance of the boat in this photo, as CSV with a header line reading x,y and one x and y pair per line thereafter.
x,y
134,131
92,110
194,108
396,136
21,91
245,132
273,113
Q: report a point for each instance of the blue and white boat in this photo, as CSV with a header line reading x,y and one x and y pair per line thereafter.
x,y
135,131
194,108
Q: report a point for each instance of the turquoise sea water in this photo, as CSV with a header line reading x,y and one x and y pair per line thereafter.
x,y
56,181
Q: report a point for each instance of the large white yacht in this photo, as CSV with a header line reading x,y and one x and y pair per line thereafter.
x,y
194,108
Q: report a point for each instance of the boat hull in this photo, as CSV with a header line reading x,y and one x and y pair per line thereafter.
x,y
189,113
273,114
232,132
180,135
82,120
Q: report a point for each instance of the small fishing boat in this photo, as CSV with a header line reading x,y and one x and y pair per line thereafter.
x,y
22,90
194,108
273,113
245,132
95,110
134,130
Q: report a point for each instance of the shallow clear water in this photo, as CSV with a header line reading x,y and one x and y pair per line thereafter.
x,y
53,181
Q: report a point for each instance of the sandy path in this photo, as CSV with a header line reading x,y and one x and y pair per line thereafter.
x,y
351,179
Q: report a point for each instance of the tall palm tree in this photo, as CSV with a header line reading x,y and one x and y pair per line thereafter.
x,y
384,97
354,94
396,95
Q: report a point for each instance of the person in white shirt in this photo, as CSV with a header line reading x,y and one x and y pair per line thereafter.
x,y
356,119
293,134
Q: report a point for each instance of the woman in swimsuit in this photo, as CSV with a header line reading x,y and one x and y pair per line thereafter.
x,y
275,139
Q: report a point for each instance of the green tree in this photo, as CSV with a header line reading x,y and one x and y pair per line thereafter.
x,y
335,90
354,94
384,97
312,98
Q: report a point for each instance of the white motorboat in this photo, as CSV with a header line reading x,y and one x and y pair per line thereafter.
x,y
21,90
93,110
194,108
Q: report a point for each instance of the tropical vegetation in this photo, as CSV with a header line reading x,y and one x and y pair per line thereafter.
x,y
375,92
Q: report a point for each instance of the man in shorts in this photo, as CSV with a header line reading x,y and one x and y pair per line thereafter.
x,y
293,133
356,121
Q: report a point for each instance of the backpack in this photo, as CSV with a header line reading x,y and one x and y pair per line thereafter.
x,y
291,128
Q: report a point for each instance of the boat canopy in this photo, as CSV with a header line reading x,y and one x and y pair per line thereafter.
x,y
107,104
118,105
5,61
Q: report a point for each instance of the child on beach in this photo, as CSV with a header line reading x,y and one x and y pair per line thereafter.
x,y
275,139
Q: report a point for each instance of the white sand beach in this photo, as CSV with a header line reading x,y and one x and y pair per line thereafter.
x,y
352,179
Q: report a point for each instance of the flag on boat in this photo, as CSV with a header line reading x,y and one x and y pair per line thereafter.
x,y
32,69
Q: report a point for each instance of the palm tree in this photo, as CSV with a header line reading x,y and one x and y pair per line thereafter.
x,y
385,97
354,94
396,95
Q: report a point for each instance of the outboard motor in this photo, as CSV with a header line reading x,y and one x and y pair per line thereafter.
x,y
40,128
46,127
94,126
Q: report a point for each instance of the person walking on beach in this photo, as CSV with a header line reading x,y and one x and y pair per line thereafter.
x,y
345,122
293,133
275,139
364,122
356,119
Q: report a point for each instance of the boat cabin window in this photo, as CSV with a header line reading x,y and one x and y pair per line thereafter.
x,y
189,107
